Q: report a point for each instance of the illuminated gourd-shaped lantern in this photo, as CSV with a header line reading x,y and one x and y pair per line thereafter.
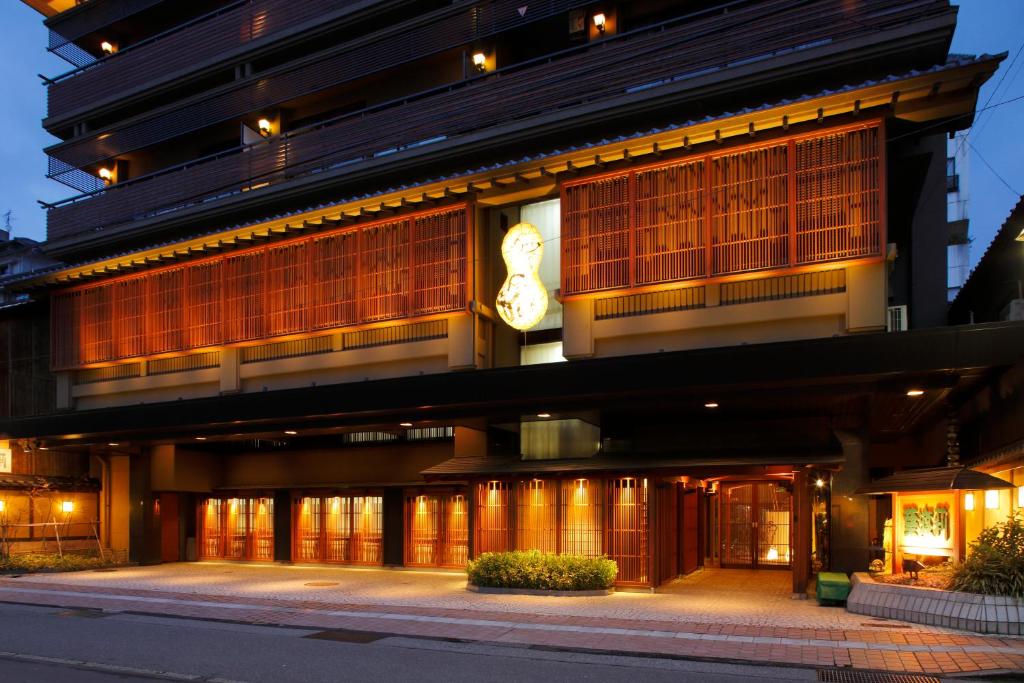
x,y
522,300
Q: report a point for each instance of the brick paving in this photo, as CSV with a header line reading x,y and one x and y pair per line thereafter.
x,y
735,615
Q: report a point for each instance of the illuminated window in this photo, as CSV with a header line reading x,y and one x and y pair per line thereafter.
x,y
991,500
968,501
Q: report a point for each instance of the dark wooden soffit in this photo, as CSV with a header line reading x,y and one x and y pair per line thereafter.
x,y
936,479
29,482
481,466
873,362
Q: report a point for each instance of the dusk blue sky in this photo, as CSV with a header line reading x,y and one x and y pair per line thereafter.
x,y
984,26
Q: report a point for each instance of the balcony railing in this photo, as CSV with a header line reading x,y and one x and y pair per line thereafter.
x,y
449,28
620,65
183,47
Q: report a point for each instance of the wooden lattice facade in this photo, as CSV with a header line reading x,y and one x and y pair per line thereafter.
x,y
436,529
591,516
406,267
338,529
782,204
236,528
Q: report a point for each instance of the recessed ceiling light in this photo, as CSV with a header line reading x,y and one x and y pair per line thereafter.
x,y
113,443
915,392
711,404
405,424
544,415
200,438
290,432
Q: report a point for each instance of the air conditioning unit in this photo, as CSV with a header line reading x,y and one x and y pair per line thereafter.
x,y
896,320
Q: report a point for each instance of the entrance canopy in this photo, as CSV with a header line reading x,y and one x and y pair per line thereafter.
x,y
935,479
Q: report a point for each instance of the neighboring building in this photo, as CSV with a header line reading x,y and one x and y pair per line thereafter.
x,y
995,290
957,199
18,256
283,334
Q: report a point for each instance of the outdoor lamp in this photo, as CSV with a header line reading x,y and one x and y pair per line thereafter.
x,y
106,175
107,47
968,501
263,125
991,499
67,507
599,22
480,61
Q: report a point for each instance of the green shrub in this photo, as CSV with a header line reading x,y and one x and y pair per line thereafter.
x,y
46,562
542,571
995,562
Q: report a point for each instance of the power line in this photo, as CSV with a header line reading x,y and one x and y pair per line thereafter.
x,y
991,168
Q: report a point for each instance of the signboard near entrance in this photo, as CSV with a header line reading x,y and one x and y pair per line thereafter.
x,y
926,524
5,461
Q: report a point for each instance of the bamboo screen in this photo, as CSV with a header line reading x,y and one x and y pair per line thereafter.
x,y
437,530
626,535
237,528
798,201
339,529
385,270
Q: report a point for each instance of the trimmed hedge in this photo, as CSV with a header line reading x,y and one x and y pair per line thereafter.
x,y
542,571
46,562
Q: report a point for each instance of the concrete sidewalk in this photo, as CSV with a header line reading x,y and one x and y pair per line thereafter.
x,y
436,605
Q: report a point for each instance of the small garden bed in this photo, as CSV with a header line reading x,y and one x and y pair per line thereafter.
x,y
32,563
940,577
541,573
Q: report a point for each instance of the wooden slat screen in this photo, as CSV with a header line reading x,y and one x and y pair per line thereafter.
x,y
237,528
537,515
582,515
494,524
339,529
791,202
385,270
626,532
437,530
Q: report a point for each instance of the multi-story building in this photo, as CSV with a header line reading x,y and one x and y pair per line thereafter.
x,y
957,199
285,333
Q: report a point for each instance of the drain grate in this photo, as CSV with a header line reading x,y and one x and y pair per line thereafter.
x,y
848,676
345,636
321,584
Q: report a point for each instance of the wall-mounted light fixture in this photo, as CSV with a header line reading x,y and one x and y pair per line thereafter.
x,y
3,505
969,501
264,127
67,507
480,61
600,21
991,499
820,483
1020,496
108,48
106,175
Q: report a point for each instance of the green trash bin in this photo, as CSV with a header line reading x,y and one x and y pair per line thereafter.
x,y
833,587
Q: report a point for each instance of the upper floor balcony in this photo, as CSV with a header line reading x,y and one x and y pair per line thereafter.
x,y
550,92
190,46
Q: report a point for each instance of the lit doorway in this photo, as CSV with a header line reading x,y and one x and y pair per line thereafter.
x,y
756,524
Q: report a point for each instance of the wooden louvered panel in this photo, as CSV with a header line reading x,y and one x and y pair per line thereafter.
x,y
165,319
385,270
287,284
333,287
203,309
793,202
837,196
130,317
439,262
669,214
595,235
626,532
537,515
494,512
750,211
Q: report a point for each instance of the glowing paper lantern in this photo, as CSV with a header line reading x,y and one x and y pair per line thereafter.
x,y
522,300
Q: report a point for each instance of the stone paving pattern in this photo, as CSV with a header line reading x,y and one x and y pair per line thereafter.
x,y
717,614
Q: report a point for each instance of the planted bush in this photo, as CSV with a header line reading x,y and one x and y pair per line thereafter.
x,y
47,562
995,562
542,571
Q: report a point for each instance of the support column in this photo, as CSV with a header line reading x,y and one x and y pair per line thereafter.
x,y
143,526
802,526
119,500
394,527
283,526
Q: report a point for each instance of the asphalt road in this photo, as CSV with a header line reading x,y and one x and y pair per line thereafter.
x,y
45,644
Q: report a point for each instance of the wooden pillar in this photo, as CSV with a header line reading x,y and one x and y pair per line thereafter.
x,y
802,527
